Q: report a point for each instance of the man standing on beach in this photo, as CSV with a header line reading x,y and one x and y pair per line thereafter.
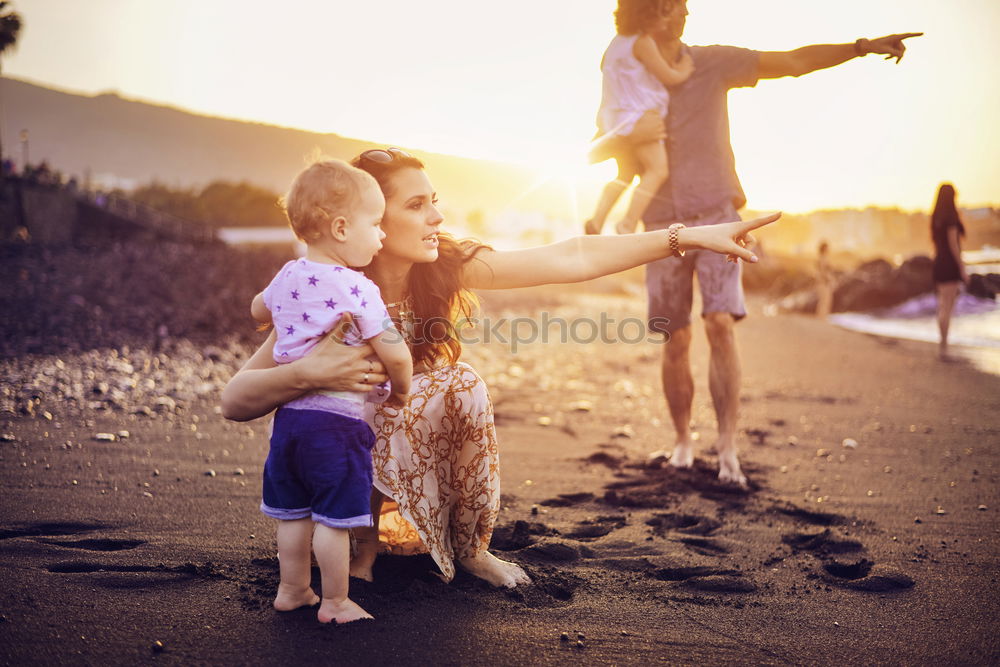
x,y
703,189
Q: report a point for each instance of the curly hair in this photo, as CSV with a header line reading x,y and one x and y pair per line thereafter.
x,y
634,16
325,189
440,299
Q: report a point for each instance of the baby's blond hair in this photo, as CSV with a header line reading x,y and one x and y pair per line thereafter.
x,y
324,190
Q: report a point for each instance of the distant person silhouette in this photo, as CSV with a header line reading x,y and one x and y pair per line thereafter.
x,y
949,270
824,281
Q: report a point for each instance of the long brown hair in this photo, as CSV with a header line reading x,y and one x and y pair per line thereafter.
x,y
945,212
440,300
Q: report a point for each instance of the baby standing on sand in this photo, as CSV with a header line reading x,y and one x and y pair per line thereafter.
x,y
318,474
635,76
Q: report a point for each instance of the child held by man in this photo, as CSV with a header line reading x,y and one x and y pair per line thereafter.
x,y
635,77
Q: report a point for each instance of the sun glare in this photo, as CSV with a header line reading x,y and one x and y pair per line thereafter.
x,y
523,88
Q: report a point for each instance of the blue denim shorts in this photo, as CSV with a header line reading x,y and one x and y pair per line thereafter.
x,y
319,467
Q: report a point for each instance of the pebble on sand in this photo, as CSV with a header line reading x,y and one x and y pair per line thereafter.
x,y
545,421
7,437
982,508
850,443
158,646
105,437
210,473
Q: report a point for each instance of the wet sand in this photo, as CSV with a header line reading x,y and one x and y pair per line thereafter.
x,y
150,548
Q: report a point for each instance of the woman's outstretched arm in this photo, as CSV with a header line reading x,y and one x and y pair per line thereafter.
x,y
262,385
587,257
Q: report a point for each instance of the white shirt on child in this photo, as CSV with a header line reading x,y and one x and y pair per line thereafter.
x,y
629,89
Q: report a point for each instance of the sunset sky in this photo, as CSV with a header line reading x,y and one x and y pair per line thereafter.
x,y
519,81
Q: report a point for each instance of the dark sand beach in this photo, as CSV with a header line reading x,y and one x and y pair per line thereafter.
x,y
150,548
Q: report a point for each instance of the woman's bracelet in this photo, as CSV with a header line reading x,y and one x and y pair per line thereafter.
x,y
672,241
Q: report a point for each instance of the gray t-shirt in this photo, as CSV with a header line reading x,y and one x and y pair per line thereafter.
x,y
702,165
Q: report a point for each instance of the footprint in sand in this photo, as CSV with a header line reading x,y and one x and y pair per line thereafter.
x,y
685,573
555,550
720,584
97,544
810,517
136,576
518,535
606,459
706,579
690,524
595,528
865,576
823,543
568,499
50,528
706,546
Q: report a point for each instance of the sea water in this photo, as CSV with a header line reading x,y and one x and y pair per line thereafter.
x,y
974,332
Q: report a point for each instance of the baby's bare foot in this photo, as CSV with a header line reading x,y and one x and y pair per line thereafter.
x,y
344,611
498,572
290,598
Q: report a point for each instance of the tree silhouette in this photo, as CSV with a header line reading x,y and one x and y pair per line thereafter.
x,y
10,29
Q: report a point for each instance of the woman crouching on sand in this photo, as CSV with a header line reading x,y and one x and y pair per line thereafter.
x,y
437,458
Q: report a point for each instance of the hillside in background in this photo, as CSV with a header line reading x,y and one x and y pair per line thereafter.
x,y
117,142
123,143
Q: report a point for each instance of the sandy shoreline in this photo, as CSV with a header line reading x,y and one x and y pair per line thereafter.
x,y
109,547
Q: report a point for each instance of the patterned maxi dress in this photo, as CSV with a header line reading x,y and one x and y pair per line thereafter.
x,y
438,460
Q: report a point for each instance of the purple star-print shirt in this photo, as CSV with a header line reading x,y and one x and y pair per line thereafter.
x,y
307,298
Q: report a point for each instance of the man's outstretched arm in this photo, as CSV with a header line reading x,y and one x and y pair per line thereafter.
x,y
776,64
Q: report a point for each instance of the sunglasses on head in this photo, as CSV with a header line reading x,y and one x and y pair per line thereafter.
x,y
384,155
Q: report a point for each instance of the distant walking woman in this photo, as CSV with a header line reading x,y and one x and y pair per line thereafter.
x,y
949,271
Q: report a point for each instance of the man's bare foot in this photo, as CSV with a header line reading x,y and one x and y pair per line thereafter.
x,y
364,559
683,456
624,227
344,611
290,598
498,572
729,467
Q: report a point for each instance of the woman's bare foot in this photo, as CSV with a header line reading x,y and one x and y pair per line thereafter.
x,y
290,598
498,572
364,559
344,611
591,227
